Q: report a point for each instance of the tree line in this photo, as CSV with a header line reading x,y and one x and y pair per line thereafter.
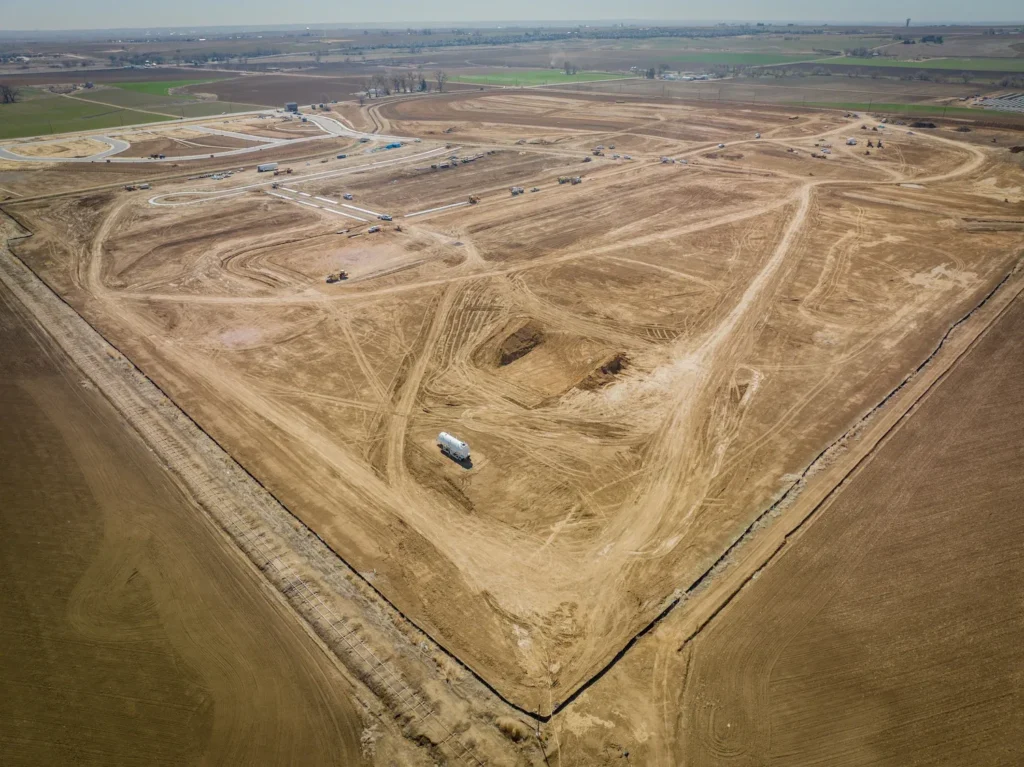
x,y
382,84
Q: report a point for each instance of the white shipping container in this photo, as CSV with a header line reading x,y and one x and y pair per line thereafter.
x,y
266,166
454,447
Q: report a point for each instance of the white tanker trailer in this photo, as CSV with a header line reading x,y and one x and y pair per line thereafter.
x,y
452,446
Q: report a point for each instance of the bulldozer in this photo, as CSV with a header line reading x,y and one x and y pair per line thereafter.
x,y
337,277
473,199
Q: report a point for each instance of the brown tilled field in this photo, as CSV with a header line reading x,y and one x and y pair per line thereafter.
x,y
642,363
132,630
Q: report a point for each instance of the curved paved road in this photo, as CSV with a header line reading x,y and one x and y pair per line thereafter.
x,y
114,146
330,126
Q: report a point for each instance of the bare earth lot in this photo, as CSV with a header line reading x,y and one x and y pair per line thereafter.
x,y
130,631
642,363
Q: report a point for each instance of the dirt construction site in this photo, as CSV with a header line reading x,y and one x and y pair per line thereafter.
x,y
667,332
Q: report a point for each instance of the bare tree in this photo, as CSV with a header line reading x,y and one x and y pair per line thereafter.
x,y
8,94
440,77
380,84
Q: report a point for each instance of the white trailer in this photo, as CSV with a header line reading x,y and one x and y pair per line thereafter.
x,y
267,166
453,446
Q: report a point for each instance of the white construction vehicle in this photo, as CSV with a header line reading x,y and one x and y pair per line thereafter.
x,y
453,447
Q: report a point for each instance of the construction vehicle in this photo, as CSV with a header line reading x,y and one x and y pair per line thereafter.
x,y
143,186
576,180
275,185
721,146
347,196
516,190
373,230
586,159
337,277
757,135
535,189
130,187
384,217
473,199
563,179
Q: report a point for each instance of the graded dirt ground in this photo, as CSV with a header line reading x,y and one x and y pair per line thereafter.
x,y
885,633
79,147
131,631
696,334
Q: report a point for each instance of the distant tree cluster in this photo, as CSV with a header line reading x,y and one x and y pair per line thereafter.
x,y
8,94
402,82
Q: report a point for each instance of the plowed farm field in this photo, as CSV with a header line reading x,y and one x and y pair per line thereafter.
x,y
131,633
642,362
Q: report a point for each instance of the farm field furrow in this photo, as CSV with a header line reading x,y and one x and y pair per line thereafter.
x,y
157,642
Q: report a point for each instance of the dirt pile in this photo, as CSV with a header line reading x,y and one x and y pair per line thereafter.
x,y
520,343
605,372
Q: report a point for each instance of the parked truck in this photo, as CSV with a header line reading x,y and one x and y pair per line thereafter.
x,y
453,447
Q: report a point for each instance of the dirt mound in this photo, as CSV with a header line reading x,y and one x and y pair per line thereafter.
x,y
520,343
605,372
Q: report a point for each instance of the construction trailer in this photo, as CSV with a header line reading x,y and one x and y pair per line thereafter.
x,y
265,167
452,446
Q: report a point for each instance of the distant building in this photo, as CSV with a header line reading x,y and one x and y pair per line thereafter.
x,y
291,106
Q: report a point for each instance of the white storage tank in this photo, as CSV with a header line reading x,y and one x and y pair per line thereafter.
x,y
452,446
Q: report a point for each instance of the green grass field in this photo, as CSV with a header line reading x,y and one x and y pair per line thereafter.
x,y
163,87
742,59
913,109
533,77
129,99
56,114
957,65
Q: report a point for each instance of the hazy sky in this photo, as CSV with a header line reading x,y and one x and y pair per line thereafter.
x,y
94,14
